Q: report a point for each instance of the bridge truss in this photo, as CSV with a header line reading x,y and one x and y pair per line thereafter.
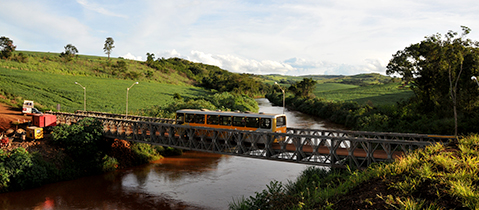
x,y
333,148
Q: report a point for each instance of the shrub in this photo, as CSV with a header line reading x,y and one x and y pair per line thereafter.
x,y
20,170
109,163
81,139
145,153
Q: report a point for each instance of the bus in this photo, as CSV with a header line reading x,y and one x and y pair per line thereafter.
x,y
232,120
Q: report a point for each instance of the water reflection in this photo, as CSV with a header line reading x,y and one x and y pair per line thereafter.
x,y
193,181
297,119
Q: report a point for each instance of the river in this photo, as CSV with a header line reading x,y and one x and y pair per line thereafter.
x,y
194,180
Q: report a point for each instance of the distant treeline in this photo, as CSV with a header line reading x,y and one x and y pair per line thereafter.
x,y
211,77
402,117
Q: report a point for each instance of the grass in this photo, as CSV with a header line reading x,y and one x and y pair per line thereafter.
x,y
436,177
327,87
94,66
371,89
103,94
382,94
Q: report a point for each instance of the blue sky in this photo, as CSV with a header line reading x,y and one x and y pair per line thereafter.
x,y
261,37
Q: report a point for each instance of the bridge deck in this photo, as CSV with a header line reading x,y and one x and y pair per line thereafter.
x,y
334,148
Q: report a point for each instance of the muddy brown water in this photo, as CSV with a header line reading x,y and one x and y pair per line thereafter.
x,y
194,180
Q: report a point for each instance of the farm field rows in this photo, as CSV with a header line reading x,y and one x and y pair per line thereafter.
x,y
383,94
103,94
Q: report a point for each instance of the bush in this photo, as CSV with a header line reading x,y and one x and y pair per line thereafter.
x,y
145,153
109,163
20,170
80,140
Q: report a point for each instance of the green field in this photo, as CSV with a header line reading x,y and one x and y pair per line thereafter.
x,y
103,94
372,94
372,89
326,87
95,66
48,80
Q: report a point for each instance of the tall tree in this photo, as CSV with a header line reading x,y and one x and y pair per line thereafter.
x,y
108,47
435,68
70,52
6,47
304,88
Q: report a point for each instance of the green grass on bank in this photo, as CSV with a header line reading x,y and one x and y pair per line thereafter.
x,y
103,94
436,177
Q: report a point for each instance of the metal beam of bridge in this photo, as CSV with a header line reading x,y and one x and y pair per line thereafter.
x,y
333,148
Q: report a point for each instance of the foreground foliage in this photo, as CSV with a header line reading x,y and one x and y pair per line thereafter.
x,y
437,177
81,151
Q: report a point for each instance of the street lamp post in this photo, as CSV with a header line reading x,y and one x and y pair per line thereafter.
x,y
283,93
128,89
84,96
474,78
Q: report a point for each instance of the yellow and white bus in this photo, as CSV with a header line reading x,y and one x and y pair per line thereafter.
x,y
232,120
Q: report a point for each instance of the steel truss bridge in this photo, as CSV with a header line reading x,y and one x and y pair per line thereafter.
x,y
332,148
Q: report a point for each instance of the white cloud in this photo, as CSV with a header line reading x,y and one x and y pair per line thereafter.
x,y
239,65
170,54
132,57
97,8
323,37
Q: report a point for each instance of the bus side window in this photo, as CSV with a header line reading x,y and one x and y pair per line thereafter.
x,y
239,121
200,118
180,118
252,122
225,120
281,121
265,123
189,118
212,119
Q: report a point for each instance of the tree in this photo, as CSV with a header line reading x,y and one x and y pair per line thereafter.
x,y
304,88
6,47
70,52
435,66
108,47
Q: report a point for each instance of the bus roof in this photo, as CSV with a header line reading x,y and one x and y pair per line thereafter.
x,y
246,114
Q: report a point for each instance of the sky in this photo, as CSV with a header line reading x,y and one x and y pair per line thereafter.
x,y
302,37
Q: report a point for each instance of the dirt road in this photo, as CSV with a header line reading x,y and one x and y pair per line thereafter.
x,y
8,115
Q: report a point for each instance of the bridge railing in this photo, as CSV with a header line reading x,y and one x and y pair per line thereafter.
x,y
374,135
121,116
328,148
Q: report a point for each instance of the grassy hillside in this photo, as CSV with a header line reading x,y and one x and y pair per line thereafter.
x,y
327,87
380,94
182,76
94,66
103,94
372,89
49,79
